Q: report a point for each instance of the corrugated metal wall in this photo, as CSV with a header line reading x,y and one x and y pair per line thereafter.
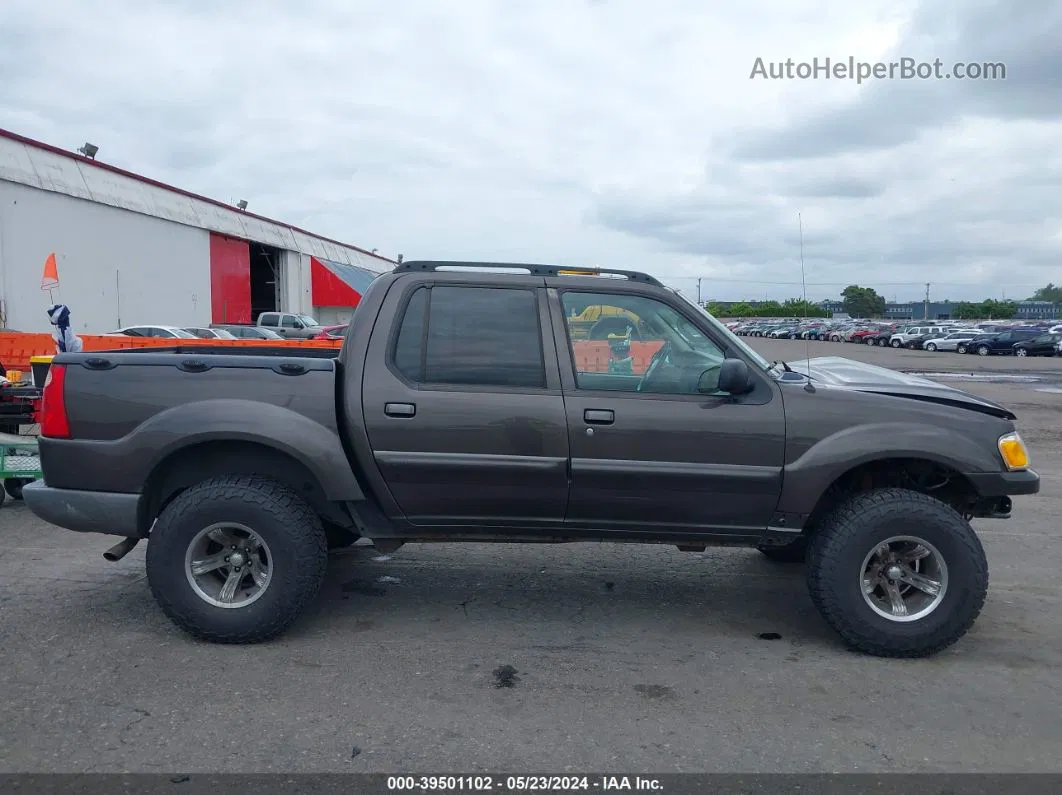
x,y
115,266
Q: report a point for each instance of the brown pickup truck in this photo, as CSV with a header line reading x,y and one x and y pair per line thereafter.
x,y
462,408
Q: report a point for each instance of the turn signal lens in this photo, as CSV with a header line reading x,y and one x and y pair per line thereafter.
x,y
1013,450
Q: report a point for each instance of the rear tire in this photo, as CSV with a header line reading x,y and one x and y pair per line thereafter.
x,y
931,347
248,507
983,350
896,344
843,551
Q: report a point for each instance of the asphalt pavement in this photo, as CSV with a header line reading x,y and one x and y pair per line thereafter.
x,y
581,657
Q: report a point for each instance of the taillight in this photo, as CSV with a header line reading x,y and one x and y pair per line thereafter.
x,y
54,422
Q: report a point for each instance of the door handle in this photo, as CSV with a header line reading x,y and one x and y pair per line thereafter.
x,y
599,416
400,409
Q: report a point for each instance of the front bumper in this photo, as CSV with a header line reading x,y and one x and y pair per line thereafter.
x,y
1005,484
84,511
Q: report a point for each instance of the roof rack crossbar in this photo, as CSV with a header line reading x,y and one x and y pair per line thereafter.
x,y
533,269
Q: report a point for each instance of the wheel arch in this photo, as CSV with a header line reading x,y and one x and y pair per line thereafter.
x,y
202,460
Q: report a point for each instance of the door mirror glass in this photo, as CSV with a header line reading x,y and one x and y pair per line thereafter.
x,y
732,376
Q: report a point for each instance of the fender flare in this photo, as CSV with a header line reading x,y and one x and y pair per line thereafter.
x,y
806,479
315,446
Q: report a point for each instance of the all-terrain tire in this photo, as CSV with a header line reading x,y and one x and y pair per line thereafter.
x,y
298,551
795,552
849,533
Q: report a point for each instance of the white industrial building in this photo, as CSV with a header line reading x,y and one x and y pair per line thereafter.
x,y
132,251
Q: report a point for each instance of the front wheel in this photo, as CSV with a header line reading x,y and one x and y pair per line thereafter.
x,y
897,573
961,348
236,559
896,344
1020,352
931,347
983,350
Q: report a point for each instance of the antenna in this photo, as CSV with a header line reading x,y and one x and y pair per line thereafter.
x,y
808,387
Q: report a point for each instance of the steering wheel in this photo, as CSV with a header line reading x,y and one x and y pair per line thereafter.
x,y
662,356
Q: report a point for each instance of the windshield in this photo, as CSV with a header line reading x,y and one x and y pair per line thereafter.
x,y
732,339
184,335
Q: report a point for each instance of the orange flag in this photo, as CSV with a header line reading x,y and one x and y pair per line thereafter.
x,y
50,277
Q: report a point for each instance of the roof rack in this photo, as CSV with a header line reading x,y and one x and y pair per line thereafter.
x,y
534,270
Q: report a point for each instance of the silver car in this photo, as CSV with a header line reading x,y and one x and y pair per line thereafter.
x,y
949,342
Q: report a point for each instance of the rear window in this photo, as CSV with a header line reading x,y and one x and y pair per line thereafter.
x,y
472,336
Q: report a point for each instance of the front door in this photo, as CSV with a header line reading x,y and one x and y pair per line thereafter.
x,y
467,420
650,452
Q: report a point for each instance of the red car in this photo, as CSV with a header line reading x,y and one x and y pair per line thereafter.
x,y
331,333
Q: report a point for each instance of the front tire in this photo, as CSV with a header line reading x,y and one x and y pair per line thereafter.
x,y
896,344
931,347
1020,352
897,573
236,559
983,350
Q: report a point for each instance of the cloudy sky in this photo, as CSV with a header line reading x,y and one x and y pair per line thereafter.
x,y
611,132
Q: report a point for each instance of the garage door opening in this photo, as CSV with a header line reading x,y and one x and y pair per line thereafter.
x,y
266,280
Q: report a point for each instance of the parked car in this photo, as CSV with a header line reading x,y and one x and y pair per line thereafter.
x,y
332,332
501,430
211,333
948,342
1001,343
168,332
900,338
242,332
916,343
1044,345
289,325
876,338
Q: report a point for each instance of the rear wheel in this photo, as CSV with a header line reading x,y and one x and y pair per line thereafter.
x,y
236,559
896,344
1020,352
931,346
897,573
960,348
983,350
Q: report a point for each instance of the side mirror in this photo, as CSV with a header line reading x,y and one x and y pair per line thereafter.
x,y
733,377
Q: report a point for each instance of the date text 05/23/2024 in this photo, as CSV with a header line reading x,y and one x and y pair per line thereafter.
x,y
487,783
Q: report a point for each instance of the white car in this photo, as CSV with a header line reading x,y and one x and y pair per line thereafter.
x,y
901,338
949,342
167,332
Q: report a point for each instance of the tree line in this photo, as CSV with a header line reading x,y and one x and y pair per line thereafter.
x,y
866,302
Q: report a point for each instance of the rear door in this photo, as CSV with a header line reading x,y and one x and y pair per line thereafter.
x,y
466,418
649,452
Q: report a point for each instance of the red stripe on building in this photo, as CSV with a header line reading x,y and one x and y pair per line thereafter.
x,y
328,289
230,280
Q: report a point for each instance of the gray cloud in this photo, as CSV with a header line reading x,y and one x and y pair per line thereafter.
x,y
594,133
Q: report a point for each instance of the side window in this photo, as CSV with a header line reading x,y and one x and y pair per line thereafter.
x,y
625,343
408,347
476,336
287,321
132,332
268,319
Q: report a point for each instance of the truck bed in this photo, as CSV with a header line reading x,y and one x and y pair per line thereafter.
x,y
127,409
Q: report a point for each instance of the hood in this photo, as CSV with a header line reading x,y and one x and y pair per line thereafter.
x,y
838,372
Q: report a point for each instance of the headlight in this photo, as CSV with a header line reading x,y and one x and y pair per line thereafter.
x,y
1012,448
